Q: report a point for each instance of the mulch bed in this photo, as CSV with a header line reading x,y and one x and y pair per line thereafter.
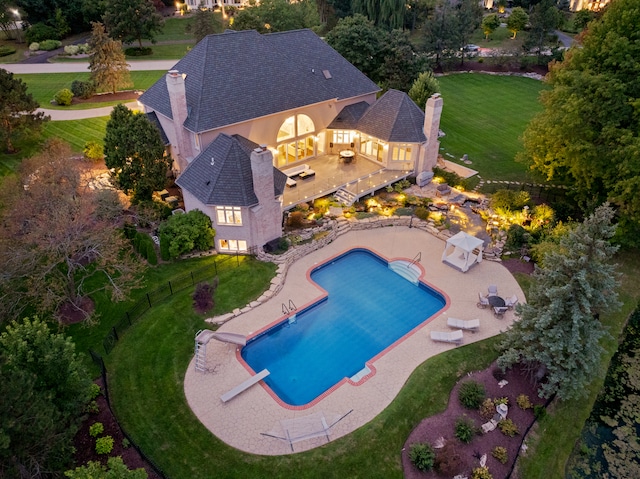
x,y
442,426
85,444
106,97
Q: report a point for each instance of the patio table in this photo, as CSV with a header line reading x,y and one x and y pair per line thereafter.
x,y
496,301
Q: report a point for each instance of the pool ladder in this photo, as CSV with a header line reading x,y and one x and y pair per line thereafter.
x,y
416,259
292,307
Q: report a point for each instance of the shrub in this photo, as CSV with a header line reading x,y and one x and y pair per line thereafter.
x,y
510,200
96,429
125,443
71,49
93,407
83,89
422,212
93,150
498,374
137,51
39,32
471,394
203,295
129,231
295,219
83,48
164,248
465,429
508,427
104,445
95,390
451,178
187,232
500,453
6,50
48,45
523,402
63,97
487,409
481,473
422,456
448,460
150,253
539,411
502,400
34,47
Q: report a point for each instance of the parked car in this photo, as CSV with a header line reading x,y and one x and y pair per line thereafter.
x,y
471,48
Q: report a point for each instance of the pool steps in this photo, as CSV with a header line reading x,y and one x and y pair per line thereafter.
x,y
360,374
408,271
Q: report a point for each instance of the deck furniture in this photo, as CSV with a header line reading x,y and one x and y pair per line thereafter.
x,y
295,170
467,325
498,311
496,301
493,290
306,174
483,302
511,302
455,337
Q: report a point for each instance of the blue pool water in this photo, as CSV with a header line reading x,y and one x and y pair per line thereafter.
x,y
368,308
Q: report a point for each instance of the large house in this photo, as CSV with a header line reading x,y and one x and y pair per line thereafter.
x,y
244,113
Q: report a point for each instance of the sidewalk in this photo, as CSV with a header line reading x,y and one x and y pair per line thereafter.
x,y
137,65
63,115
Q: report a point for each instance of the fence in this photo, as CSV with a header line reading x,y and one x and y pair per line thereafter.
x,y
146,302
97,359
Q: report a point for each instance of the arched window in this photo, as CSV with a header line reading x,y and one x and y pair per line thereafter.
x,y
295,139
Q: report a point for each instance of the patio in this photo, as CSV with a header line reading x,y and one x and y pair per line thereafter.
x,y
361,177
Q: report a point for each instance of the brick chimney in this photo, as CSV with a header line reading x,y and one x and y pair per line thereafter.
x,y
267,215
432,113
183,150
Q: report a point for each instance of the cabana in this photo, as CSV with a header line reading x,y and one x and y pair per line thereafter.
x,y
458,251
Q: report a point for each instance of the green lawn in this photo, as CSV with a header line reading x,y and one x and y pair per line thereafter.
x,y
44,87
175,29
484,116
166,52
77,132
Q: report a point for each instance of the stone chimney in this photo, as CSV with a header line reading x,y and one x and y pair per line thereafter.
x,y
267,215
432,114
183,150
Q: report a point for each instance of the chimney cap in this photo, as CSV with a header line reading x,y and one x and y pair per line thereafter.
x,y
174,73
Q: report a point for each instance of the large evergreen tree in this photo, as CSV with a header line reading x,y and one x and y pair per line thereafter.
x,y
589,131
204,23
558,332
133,149
132,20
109,69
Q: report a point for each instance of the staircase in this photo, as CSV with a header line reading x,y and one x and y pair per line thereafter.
x,y
407,270
345,197
201,340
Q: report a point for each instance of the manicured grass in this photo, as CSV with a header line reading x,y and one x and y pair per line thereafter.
x,y
552,443
77,132
499,39
166,52
43,87
175,29
484,116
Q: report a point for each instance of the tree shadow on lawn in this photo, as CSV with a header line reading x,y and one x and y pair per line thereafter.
x,y
443,426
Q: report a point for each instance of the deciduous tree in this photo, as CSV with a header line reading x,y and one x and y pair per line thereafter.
x,y
17,111
44,389
204,23
439,38
559,329
544,20
133,149
277,16
402,63
490,24
517,21
58,245
109,68
187,232
133,20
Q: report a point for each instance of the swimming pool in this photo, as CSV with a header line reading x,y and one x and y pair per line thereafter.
x,y
367,308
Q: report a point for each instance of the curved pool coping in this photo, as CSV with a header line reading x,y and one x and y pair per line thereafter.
x,y
242,421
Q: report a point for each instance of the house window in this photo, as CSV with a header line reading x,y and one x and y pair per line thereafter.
x,y
401,153
343,137
229,215
295,140
232,245
372,147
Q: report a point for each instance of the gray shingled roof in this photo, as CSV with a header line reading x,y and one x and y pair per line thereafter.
x,y
221,174
153,118
239,76
394,117
348,118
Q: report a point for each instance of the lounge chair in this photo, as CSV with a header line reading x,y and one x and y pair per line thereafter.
x,y
483,302
467,325
498,311
511,302
493,290
452,337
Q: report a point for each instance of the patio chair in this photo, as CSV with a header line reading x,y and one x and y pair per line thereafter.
x,y
467,325
498,311
511,302
483,302
493,290
452,337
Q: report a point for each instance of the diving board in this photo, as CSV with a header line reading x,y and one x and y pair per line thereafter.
x,y
244,385
233,338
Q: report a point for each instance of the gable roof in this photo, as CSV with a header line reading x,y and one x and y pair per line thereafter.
x,y
221,174
348,118
394,117
153,118
238,76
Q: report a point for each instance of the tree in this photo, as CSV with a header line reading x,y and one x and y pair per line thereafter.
x,y
517,20
109,68
44,11
582,18
134,150
388,14
187,232
115,469
44,388
132,20
58,246
277,16
425,85
544,20
17,111
360,42
588,134
204,23
440,38
559,330
402,64
8,24
490,24
468,15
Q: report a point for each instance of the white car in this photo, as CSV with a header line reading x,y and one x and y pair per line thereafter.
x,y
471,48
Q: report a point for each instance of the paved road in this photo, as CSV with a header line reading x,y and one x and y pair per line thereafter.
x,y
73,67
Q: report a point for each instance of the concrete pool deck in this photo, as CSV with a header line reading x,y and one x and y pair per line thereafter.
x,y
241,421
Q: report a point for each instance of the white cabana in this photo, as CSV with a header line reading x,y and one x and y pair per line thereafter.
x,y
458,251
